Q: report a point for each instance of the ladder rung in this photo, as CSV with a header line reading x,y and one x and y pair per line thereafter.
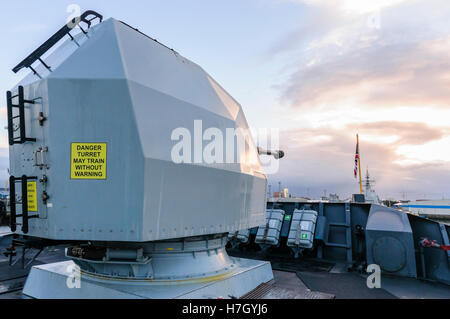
x,y
337,245
339,225
32,216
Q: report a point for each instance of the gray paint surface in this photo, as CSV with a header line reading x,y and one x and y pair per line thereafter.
x,y
128,91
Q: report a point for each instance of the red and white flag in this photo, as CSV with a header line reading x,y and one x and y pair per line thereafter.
x,y
355,172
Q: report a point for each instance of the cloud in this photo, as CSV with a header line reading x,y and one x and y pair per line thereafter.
x,y
322,158
28,28
380,68
340,55
404,133
316,23
352,6
380,75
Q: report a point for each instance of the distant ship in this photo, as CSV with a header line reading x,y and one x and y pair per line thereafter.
x,y
434,209
370,195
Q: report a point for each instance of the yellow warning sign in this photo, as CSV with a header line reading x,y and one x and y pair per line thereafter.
x,y
32,196
88,161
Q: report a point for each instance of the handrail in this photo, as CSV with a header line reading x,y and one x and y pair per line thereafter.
x,y
47,45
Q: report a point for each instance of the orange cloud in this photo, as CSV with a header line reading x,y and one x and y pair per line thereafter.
x,y
323,158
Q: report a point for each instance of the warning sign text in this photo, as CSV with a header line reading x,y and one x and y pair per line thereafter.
x,y
32,196
88,161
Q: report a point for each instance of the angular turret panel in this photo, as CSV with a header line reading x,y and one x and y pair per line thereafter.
x,y
113,103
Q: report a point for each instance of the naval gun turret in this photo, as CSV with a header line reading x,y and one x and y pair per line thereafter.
x,y
140,160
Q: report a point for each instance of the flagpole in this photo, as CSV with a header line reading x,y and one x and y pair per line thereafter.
x,y
359,166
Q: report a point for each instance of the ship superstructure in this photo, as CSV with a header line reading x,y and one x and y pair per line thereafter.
x,y
369,193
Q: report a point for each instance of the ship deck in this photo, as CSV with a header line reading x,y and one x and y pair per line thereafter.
x,y
310,278
293,279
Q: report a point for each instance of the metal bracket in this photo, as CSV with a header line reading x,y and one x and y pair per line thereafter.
x,y
42,118
445,239
42,164
298,231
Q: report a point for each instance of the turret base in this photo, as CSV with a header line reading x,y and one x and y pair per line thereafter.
x,y
60,281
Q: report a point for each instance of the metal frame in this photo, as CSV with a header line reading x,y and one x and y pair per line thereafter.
x,y
12,195
21,106
47,45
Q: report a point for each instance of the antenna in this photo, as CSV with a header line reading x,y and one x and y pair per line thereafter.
x,y
368,181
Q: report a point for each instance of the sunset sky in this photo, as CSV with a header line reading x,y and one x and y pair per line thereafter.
x,y
318,70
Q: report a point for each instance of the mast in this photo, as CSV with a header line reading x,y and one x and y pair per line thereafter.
x,y
359,165
367,181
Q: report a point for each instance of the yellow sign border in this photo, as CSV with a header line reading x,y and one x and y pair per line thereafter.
x,y
106,161
33,196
